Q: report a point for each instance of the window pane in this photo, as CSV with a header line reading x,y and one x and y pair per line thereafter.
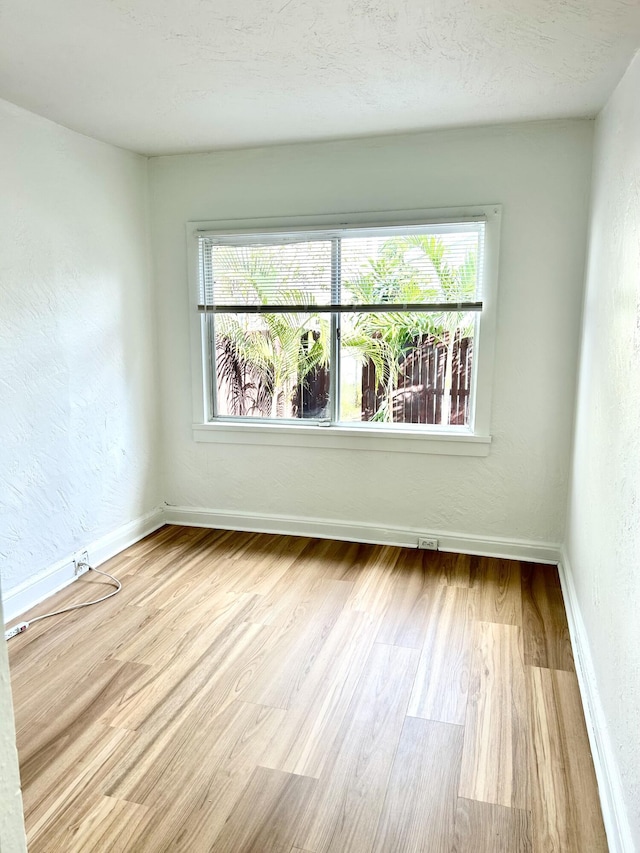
x,y
411,268
272,365
406,368
297,273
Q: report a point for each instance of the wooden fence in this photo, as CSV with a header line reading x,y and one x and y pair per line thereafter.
x,y
418,395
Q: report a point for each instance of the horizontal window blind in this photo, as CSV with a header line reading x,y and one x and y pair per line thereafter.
x,y
415,268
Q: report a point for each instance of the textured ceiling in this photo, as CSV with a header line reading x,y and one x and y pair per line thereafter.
x,y
161,76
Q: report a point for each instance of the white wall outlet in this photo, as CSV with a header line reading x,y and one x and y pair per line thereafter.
x,y
427,543
81,562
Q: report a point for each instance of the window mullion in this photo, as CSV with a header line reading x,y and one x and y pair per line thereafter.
x,y
334,357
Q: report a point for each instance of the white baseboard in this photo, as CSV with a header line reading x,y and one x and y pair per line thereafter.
x,y
607,772
21,598
512,549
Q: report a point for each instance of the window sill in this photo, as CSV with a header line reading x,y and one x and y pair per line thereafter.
x,y
345,438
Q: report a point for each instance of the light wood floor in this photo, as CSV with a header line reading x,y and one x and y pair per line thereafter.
x,y
276,694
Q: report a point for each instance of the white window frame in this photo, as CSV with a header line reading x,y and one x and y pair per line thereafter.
x,y
473,440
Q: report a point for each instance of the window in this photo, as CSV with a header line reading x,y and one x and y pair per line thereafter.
x,y
371,326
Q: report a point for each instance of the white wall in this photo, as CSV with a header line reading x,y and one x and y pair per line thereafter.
x,y
603,535
12,839
540,172
78,426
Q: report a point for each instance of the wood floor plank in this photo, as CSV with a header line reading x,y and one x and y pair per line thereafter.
x,y
217,666
45,784
38,649
170,538
344,812
215,560
297,588
193,775
442,680
203,608
267,814
107,825
54,674
270,564
211,806
349,561
374,586
454,569
420,805
293,649
313,723
45,737
156,768
566,812
163,590
544,621
495,759
163,565
404,622
487,828
63,797
497,594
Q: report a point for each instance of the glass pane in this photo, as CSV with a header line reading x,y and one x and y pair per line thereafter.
x,y
296,273
272,365
406,368
412,268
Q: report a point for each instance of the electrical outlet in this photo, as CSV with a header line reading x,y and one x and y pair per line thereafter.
x,y
427,543
81,563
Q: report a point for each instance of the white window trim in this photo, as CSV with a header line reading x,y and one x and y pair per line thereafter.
x,y
452,441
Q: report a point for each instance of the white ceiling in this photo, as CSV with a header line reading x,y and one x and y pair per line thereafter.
x,y
163,76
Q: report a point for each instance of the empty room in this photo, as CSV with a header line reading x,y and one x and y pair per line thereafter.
x,y
320,426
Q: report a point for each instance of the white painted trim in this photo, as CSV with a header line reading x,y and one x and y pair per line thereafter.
x,y
21,598
514,549
344,438
614,813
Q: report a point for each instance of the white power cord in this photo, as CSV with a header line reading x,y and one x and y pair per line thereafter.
x,y
21,627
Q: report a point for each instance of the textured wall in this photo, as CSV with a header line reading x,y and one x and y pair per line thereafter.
x,y
603,537
540,173
12,838
77,353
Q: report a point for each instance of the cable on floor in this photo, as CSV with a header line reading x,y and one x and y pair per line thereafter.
x,y
21,627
